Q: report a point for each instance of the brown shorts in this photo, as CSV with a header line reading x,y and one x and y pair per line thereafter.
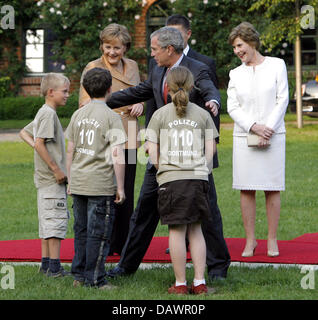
x,y
183,201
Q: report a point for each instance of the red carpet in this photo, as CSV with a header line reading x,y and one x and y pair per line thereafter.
x,y
301,250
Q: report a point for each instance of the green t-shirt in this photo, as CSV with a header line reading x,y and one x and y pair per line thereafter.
x,y
94,129
46,125
182,142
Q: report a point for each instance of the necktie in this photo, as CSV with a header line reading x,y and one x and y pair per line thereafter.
x,y
165,88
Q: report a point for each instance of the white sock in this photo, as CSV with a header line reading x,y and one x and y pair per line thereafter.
x,y
198,282
180,283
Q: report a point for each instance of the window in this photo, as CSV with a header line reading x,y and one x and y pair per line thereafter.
x,y
309,50
39,52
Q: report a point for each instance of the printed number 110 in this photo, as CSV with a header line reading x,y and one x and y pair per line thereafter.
x,y
185,135
90,136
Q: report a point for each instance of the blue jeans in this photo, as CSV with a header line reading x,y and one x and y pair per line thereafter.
x,y
93,223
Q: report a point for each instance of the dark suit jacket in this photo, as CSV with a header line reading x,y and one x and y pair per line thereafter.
x,y
208,61
203,91
152,88
212,72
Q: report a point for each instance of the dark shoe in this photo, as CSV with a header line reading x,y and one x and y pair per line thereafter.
x,y
60,273
216,277
178,290
117,272
44,271
167,251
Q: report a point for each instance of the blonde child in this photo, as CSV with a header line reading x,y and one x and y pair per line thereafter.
x,y
45,135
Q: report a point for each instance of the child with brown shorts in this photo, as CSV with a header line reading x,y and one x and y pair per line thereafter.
x,y
45,135
181,141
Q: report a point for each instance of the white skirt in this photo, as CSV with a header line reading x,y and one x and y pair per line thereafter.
x,y
257,168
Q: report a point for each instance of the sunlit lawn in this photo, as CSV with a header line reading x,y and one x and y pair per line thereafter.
x,y
299,215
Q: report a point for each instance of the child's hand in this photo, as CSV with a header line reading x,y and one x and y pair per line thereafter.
x,y
68,190
120,196
60,177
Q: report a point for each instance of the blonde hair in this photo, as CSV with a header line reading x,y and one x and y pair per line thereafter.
x,y
180,82
115,31
53,81
247,33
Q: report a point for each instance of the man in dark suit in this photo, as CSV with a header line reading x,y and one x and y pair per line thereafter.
x,y
167,49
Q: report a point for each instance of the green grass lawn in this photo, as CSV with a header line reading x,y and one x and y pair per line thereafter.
x,y
299,215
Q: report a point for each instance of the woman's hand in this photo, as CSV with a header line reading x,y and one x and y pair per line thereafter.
x,y
263,143
262,131
136,110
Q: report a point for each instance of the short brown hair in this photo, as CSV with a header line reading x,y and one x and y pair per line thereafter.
x,y
96,82
247,33
115,31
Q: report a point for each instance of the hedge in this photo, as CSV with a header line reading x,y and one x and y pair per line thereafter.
x,y
27,107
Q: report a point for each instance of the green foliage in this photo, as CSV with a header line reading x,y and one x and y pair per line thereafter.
x,y
77,24
10,40
27,107
211,24
4,86
284,24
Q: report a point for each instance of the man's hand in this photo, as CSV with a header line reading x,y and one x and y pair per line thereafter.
x,y
136,110
212,105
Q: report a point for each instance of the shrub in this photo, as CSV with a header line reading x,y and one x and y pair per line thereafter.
x,y
26,107
4,87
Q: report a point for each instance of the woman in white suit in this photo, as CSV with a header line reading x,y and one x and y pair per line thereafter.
x,y
257,102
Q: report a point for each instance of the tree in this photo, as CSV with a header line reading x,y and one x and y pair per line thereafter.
x,y
77,24
10,41
211,24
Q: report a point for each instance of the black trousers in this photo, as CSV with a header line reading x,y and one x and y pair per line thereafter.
x,y
124,211
145,219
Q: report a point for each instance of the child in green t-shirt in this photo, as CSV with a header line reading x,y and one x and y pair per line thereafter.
x,y
96,170
45,135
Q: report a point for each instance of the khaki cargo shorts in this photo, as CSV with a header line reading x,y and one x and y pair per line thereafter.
x,y
52,211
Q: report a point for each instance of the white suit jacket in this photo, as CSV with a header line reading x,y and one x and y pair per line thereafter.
x,y
258,95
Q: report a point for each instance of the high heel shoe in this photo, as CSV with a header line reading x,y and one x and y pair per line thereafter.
x,y
246,253
272,253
